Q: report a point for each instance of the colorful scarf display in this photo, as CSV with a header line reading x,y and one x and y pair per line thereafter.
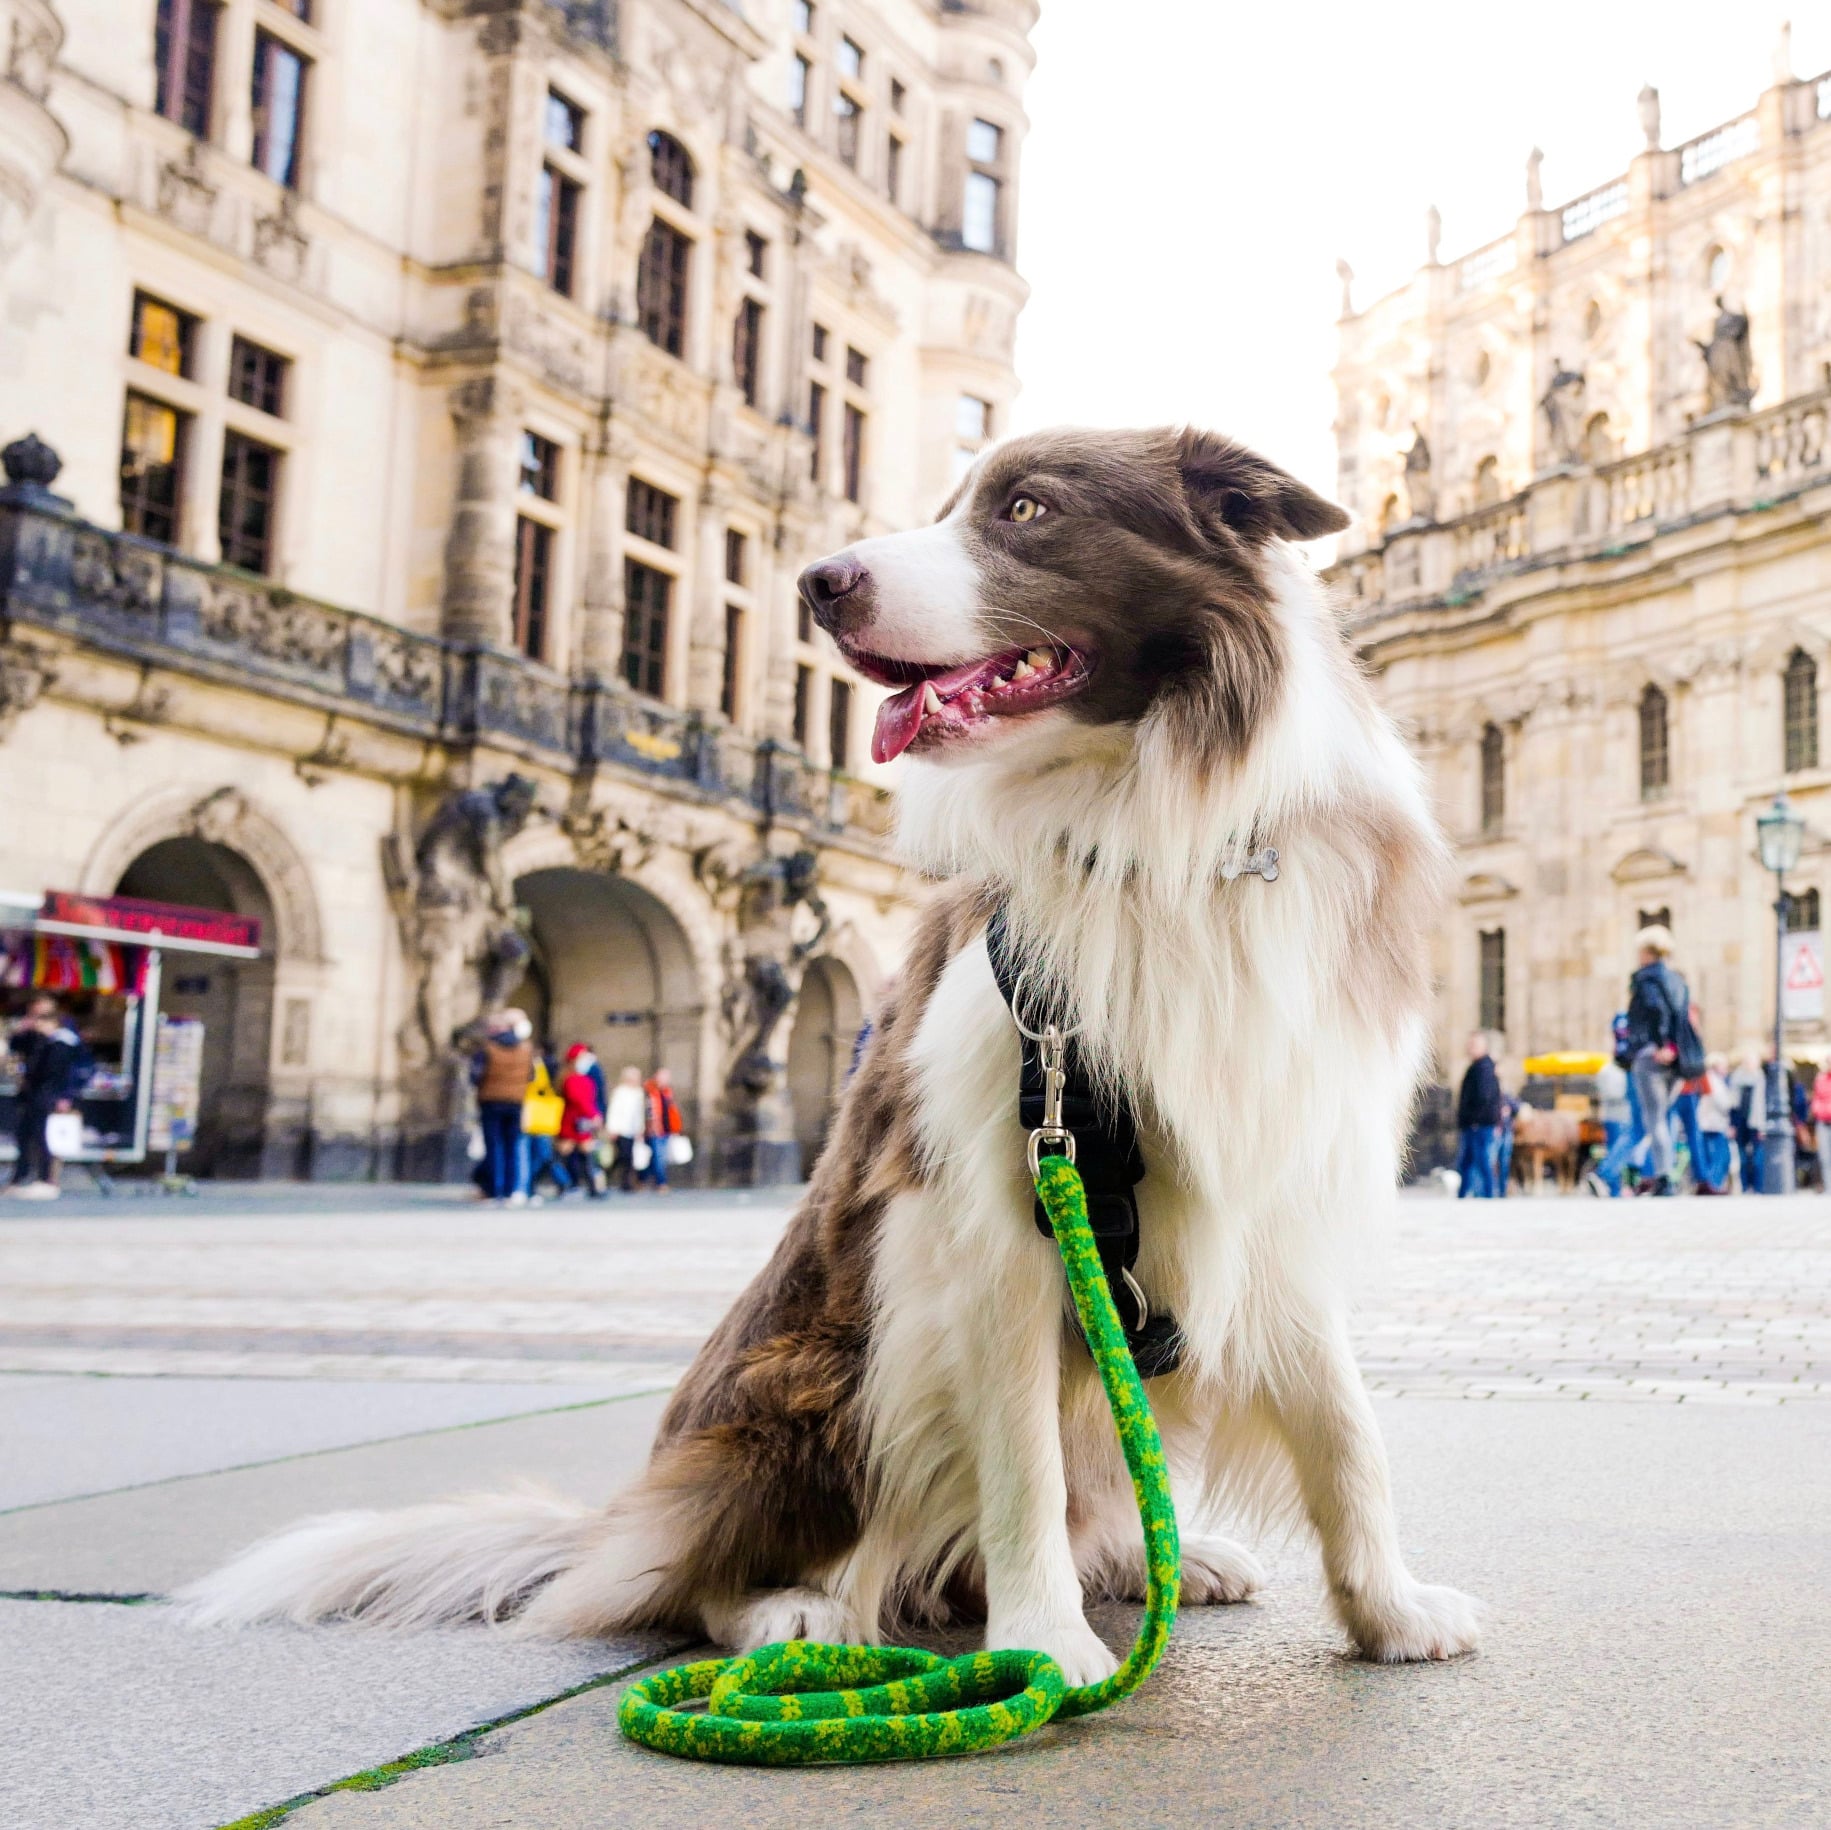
x,y
59,962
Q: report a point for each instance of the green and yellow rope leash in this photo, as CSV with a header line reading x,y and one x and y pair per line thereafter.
x,y
801,1703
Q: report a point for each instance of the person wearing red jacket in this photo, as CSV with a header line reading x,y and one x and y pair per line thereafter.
x,y
582,1119
662,1123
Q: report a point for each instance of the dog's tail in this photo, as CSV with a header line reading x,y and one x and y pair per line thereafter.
x,y
477,1559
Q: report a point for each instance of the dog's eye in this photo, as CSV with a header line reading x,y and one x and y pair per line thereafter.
x,y
1025,508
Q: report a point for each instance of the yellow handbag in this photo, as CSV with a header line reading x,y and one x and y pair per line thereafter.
x,y
541,1108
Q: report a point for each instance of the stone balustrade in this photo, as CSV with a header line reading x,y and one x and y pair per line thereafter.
x,y
128,597
1727,463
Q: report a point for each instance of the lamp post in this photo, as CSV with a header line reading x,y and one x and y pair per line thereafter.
x,y
1780,833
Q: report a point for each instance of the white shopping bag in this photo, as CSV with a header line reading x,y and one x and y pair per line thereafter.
x,y
680,1150
64,1134
639,1155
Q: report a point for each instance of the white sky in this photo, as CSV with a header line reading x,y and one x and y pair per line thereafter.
x,y
1195,168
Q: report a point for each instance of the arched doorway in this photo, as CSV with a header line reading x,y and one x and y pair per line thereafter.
x,y
232,998
827,1020
611,968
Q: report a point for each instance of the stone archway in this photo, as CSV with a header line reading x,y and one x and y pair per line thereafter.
x,y
827,1020
612,968
234,999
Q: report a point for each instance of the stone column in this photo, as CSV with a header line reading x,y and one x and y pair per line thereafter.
x,y
706,631
480,551
600,639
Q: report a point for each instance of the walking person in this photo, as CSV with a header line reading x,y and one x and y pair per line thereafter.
x,y
1659,1020
502,1070
1748,1107
1715,1114
1503,1144
1820,1109
50,1057
662,1122
582,1119
625,1115
1615,1107
1478,1116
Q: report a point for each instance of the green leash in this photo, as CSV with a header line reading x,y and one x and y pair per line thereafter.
x,y
801,1703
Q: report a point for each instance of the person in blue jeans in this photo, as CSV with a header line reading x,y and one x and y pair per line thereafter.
x,y
1624,1135
1478,1116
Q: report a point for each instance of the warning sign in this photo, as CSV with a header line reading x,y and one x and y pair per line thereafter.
x,y
1802,993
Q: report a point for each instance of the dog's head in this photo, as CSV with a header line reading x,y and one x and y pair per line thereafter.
x,y
1075,577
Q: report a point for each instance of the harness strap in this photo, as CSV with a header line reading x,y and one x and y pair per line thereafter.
x,y
1106,1154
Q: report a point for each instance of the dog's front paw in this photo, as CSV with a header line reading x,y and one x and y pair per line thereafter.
x,y
1073,1644
1218,1570
1415,1622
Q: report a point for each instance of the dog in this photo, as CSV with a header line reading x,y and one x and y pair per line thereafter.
x,y
1118,684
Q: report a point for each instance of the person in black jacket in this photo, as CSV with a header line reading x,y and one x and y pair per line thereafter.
x,y
1478,1116
50,1056
1657,1001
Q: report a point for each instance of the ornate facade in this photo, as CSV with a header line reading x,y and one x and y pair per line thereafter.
x,y
448,392
1591,570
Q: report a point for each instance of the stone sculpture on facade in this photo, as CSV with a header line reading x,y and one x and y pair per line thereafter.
x,y
1562,406
1649,116
1433,235
1420,493
1535,183
783,921
1728,363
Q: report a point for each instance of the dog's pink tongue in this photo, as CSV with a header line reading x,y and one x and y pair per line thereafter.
x,y
898,720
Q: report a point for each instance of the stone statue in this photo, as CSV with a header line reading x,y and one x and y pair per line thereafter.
x,y
1562,405
1728,364
1420,496
1649,116
1535,186
1783,55
1345,274
1433,235
464,932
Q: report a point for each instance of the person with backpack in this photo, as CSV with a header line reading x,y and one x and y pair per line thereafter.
x,y
1660,1048
502,1070
52,1070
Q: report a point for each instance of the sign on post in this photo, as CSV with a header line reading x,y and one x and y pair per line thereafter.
x,y
177,1083
1802,977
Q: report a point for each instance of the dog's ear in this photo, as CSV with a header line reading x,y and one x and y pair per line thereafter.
x,y
1243,491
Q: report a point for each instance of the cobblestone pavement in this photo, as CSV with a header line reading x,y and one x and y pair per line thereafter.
x,y
1691,1301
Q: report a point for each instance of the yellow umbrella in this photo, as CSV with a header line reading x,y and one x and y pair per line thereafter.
x,y
1566,1061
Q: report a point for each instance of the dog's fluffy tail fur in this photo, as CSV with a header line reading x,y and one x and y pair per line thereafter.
x,y
481,1558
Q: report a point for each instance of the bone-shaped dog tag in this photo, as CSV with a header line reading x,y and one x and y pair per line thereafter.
x,y
1261,864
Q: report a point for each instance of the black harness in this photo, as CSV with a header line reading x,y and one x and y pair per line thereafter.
x,y
1105,1151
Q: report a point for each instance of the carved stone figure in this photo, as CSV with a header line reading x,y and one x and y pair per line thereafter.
x,y
1420,494
1535,184
1728,363
463,930
25,671
1562,406
1345,274
1649,116
1433,235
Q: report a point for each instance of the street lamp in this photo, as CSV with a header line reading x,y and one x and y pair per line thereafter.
x,y
1780,833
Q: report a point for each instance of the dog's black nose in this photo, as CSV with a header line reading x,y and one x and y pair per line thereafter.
x,y
835,590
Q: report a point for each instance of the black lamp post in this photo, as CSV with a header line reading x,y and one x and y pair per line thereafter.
x,y
1780,834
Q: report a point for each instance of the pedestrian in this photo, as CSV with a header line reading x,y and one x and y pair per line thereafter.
x,y
1503,1144
1615,1107
1748,1112
662,1122
625,1114
543,1111
502,1070
1715,1114
50,1057
582,1119
1658,1029
1820,1110
1478,1115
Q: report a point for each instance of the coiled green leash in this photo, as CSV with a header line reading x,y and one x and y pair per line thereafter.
x,y
801,1703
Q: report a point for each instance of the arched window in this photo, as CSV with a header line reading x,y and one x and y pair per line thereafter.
x,y
1487,482
671,168
1493,779
1801,712
1655,753
1598,445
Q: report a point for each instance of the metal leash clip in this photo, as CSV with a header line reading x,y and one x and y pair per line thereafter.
x,y
1053,1047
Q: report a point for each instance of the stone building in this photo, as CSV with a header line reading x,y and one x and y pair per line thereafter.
x,y
449,391
1591,570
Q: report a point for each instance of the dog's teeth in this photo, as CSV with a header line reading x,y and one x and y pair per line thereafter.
x,y
1023,670
931,700
1039,658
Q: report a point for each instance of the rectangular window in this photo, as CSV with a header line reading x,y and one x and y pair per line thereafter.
x,y
756,254
984,142
563,124
893,169
184,56
898,96
857,367
539,467
839,724
846,132
162,336
556,228
737,557
816,428
734,657
153,438
804,17
279,109
799,70
804,621
1801,912
257,377
1493,1014
533,586
979,219
820,342
972,419
850,58
747,349
649,512
661,287
646,597
804,694
246,508
854,452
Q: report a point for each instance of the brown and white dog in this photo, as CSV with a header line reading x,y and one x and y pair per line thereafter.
x,y
1118,683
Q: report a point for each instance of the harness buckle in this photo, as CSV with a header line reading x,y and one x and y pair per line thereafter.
x,y
1053,1051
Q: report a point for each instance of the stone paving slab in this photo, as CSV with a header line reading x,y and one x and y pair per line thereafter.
x,y
1658,1655
135,1722
152,1539
61,1437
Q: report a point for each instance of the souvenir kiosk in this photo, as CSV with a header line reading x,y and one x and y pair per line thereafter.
x,y
101,957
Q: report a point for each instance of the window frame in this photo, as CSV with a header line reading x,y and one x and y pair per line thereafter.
x,y
801,715
538,459
1799,713
651,513
730,685
187,326
853,432
747,350
647,627
1655,721
274,385
260,91
234,495
664,276
839,724
671,168
1491,980
174,92
557,213
1493,755
182,432
531,629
